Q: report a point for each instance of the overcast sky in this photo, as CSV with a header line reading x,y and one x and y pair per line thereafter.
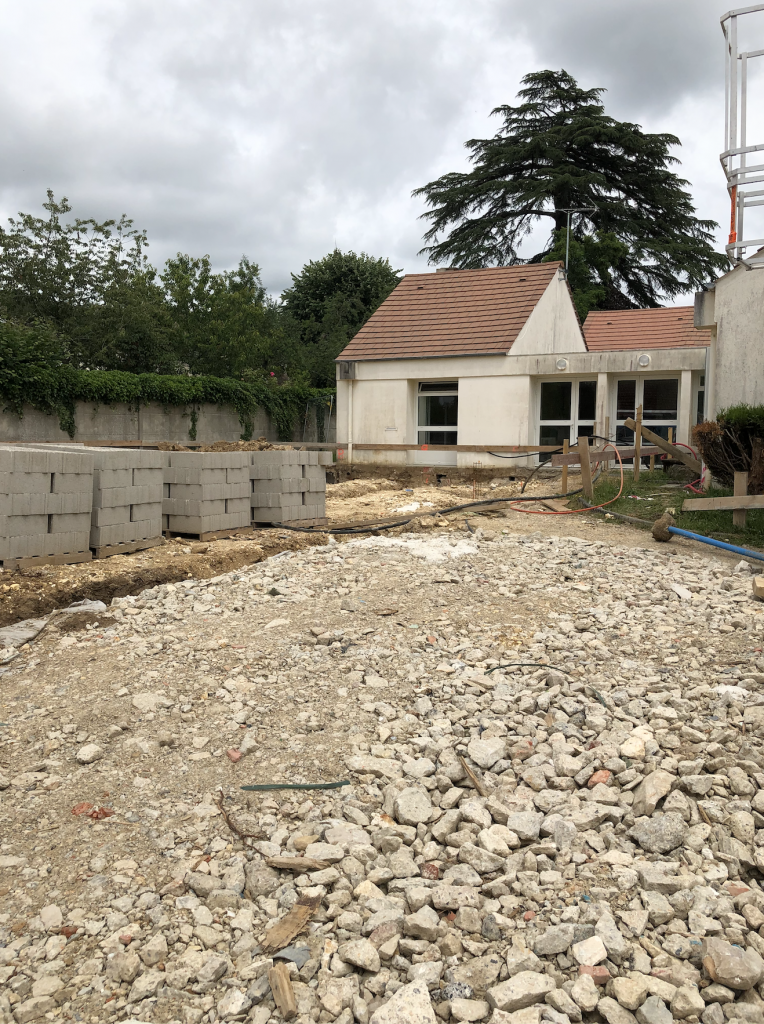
x,y
281,128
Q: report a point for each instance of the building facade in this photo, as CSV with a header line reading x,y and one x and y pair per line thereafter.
x,y
497,357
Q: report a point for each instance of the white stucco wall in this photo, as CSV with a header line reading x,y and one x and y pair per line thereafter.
x,y
553,325
739,316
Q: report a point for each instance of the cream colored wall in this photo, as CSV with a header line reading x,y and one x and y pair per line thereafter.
x,y
494,410
553,325
739,314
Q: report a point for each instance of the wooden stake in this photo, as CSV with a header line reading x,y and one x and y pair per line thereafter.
x,y
671,435
565,449
741,487
283,993
586,466
638,443
652,463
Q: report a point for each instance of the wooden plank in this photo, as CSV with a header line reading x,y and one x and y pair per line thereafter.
x,y
282,933
666,446
638,444
520,449
740,488
283,993
586,466
745,501
565,448
608,455
29,562
107,550
322,521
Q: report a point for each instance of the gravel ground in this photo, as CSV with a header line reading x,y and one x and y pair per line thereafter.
x,y
577,838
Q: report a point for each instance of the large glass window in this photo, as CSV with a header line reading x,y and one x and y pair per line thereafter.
x,y
567,410
438,412
659,399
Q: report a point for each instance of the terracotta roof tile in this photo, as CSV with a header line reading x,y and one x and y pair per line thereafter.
x,y
460,312
626,329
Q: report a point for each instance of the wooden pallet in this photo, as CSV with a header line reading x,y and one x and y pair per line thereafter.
x,y
29,562
107,550
213,535
293,522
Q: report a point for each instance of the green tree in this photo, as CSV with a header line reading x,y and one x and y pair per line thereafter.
x,y
223,324
329,301
558,150
91,281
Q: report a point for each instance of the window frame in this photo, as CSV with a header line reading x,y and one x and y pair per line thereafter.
x,y
639,393
437,389
573,423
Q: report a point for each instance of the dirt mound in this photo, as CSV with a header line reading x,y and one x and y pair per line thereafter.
x,y
357,488
260,445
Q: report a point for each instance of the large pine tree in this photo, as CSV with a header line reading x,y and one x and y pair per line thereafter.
x,y
558,149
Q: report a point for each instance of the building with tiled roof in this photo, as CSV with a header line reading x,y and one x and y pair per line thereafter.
x,y
460,359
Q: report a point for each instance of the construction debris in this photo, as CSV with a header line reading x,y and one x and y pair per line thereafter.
x,y
609,700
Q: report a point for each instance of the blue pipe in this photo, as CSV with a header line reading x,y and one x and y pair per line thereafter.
x,y
716,543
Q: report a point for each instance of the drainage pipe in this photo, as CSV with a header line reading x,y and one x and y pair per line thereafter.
x,y
717,543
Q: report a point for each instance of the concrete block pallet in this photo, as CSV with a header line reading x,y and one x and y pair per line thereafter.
x,y
206,492
288,487
46,499
127,488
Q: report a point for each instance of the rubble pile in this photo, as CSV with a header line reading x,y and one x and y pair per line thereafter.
x,y
554,809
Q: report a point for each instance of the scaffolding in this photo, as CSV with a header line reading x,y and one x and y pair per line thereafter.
x,y
740,174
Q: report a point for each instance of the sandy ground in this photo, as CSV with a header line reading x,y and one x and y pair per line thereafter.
x,y
31,593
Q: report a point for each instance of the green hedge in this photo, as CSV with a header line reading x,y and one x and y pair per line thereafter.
x,y
56,390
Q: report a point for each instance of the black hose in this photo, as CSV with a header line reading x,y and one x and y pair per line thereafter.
x,y
376,527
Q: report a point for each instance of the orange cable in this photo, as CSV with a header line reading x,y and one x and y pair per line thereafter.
x,y
575,511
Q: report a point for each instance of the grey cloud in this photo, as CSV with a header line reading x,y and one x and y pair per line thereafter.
x,y
278,128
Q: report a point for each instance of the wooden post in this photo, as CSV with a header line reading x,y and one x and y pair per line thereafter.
x,y
283,993
741,487
586,466
671,435
565,449
652,463
638,443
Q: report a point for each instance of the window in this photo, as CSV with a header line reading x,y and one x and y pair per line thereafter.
x,y
568,410
659,400
437,411
700,410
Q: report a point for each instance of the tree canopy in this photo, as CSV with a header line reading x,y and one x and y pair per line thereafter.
x,y
86,292
330,300
557,150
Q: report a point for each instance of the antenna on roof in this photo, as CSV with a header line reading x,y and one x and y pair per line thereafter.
x,y
569,210
734,159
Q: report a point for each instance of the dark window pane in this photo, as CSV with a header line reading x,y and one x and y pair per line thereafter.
x,y
552,435
438,411
701,406
438,385
663,432
660,399
626,402
555,400
587,400
436,437
624,436
586,430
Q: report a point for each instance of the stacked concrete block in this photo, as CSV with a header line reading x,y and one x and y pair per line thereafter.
x,y
127,497
287,487
128,488
46,498
205,492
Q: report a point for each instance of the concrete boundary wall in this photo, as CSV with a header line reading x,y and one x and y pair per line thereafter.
x,y
151,423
